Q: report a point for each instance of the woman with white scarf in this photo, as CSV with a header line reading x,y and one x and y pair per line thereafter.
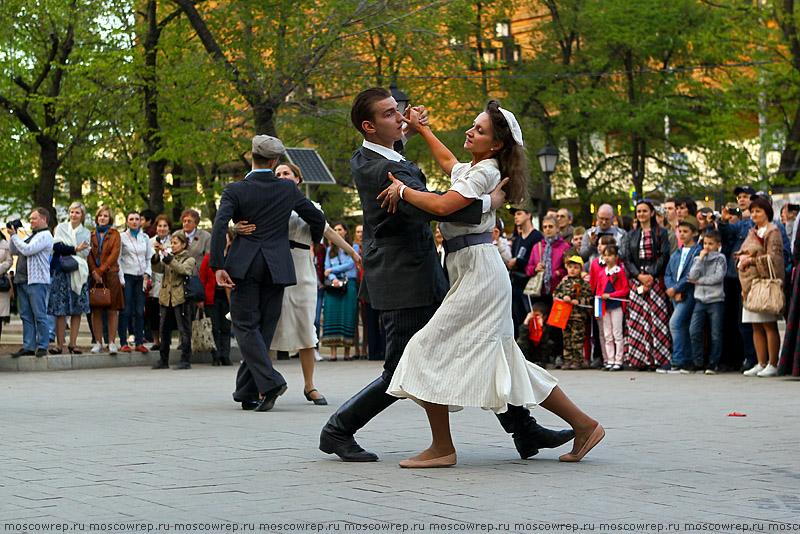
x,y
69,273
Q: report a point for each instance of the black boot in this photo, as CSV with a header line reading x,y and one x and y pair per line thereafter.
x,y
337,435
529,436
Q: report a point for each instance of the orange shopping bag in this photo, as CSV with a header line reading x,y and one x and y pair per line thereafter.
x,y
559,314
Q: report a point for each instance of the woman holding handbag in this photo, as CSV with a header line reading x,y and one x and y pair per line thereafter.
x,y
761,258
547,260
69,273
105,292
175,266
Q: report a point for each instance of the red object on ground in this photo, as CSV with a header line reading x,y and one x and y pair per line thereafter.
x,y
736,414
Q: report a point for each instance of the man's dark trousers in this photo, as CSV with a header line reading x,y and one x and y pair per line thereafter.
x,y
255,309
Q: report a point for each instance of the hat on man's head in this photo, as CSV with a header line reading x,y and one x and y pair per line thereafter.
x,y
268,147
690,220
514,209
744,189
575,259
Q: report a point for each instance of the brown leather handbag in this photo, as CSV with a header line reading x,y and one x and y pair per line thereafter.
x,y
99,297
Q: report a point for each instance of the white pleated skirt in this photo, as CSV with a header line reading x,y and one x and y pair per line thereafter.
x,y
467,354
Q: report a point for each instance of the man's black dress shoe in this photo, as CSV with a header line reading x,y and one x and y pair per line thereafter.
x,y
332,441
249,405
266,403
540,437
41,352
160,364
22,352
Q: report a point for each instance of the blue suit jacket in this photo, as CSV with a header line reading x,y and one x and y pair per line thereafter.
x,y
682,284
266,201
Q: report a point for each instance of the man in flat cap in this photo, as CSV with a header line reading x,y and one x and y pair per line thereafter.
x,y
259,265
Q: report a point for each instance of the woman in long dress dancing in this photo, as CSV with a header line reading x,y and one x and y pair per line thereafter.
x,y
466,355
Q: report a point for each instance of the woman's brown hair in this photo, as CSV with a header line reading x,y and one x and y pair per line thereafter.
x,y
334,251
511,156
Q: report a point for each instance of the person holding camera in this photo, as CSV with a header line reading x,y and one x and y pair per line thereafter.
x,y
69,273
32,281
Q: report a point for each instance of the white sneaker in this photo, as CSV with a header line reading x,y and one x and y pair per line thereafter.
x,y
769,370
97,349
753,371
317,356
112,348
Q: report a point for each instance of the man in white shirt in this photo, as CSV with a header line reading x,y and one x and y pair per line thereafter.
x,y
32,282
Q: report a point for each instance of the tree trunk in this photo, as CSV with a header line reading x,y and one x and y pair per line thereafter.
x,y
48,167
152,132
790,157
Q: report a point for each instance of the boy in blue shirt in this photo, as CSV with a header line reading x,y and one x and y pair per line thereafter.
x,y
681,291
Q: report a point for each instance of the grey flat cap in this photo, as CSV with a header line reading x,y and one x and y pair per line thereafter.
x,y
268,147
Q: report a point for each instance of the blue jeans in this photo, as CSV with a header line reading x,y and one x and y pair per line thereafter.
x,y
679,328
715,312
134,310
33,312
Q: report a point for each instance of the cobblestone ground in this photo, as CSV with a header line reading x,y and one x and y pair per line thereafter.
x,y
132,449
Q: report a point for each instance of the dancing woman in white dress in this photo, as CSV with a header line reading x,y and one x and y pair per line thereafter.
x,y
466,355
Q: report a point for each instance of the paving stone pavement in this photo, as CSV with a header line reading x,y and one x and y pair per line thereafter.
x,y
128,449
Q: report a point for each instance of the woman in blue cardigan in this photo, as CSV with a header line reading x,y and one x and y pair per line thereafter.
x,y
340,306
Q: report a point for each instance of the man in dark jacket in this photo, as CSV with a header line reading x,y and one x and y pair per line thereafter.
x,y
259,265
403,278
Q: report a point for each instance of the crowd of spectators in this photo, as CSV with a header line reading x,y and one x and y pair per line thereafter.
x,y
666,290
130,282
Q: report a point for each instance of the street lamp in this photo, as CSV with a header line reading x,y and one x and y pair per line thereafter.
x,y
399,96
548,159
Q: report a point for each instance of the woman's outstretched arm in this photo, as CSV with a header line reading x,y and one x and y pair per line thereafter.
x,y
441,153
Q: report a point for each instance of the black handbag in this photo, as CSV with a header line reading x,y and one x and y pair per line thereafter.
x,y
332,289
193,289
68,264
5,284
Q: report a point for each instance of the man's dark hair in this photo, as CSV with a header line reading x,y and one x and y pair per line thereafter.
x,y
362,106
713,235
148,214
43,213
690,204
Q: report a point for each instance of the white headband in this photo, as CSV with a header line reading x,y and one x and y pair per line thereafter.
x,y
513,125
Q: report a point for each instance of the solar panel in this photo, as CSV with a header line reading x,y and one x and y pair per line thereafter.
x,y
311,165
